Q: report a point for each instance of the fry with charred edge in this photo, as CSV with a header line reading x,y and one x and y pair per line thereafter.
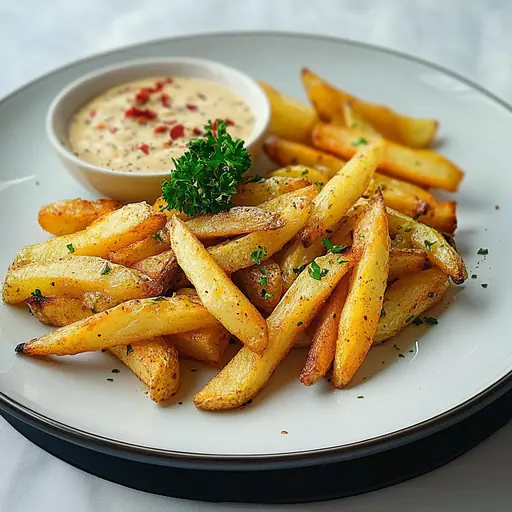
x,y
216,291
323,346
72,215
340,194
405,261
438,250
109,233
59,311
289,118
154,244
74,276
329,101
206,345
423,167
129,323
361,312
297,171
161,268
294,208
262,284
238,220
247,373
409,297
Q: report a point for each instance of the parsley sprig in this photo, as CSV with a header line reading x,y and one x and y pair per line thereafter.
x,y
205,178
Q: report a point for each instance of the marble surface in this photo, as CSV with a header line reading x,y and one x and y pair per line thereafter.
x,y
472,37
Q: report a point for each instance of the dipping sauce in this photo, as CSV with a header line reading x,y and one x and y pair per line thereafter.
x,y
141,126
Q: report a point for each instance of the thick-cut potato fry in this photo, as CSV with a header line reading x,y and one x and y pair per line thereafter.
x,y
58,311
294,208
342,234
151,245
443,216
129,323
409,297
73,277
297,171
405,261
206,345
323,345
438,250
238,220
160,206
290,118
353,119
161,268
110,232
363,305
72,215
423,167
247,373
255,193
340,194
329,101
262,284
216,291
156,363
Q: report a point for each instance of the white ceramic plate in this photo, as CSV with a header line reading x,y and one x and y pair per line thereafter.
x,y
448,370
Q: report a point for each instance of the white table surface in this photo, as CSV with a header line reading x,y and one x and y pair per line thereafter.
x,y
473,37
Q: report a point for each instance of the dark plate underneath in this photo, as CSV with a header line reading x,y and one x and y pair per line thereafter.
x,y
323,482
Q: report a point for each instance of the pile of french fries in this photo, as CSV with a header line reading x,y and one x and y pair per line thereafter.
x,y
342,246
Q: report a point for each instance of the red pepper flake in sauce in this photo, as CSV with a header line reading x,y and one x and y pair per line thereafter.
x,y
172,122
165,99
112,129
144,148
92,113
167,144
177,131
197,131
191,107
161,129
229,122
142,97
100,126
137,113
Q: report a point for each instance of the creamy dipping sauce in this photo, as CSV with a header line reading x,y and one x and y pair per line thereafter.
x,y
141,126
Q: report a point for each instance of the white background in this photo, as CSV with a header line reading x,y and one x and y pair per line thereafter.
x,y
473,37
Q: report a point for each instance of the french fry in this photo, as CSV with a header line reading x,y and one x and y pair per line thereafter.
x,y
238,220
72,215
405,261
290,118
156,363
438,250
297,171
216,291
423,167
407,298
329,101
361,312
255,193
353,119
73,277
128,323
294,208
443,216
110,232
340,194
154,244
247,373
160,206
161,268
262,284
206,345
58,311
323,346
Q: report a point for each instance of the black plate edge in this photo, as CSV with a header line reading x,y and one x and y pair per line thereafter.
x,y
280,460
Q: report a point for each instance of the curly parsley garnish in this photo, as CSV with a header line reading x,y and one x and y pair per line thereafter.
x,y
205,178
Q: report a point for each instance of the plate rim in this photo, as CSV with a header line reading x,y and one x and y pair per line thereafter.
x,y
258,461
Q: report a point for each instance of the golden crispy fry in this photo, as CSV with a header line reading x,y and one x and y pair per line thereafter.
x,y
206,345
363,305
290,118
329,101
262,284
247,373
238,220
155,362
161,268
353,119
58,311
323,346
405,261
73,277
342,234
294,208
443,216
216,291
129,323
423,167
154,244
160,206
110,232
340,194
409,297
72,215
438,250
297,171
255,193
